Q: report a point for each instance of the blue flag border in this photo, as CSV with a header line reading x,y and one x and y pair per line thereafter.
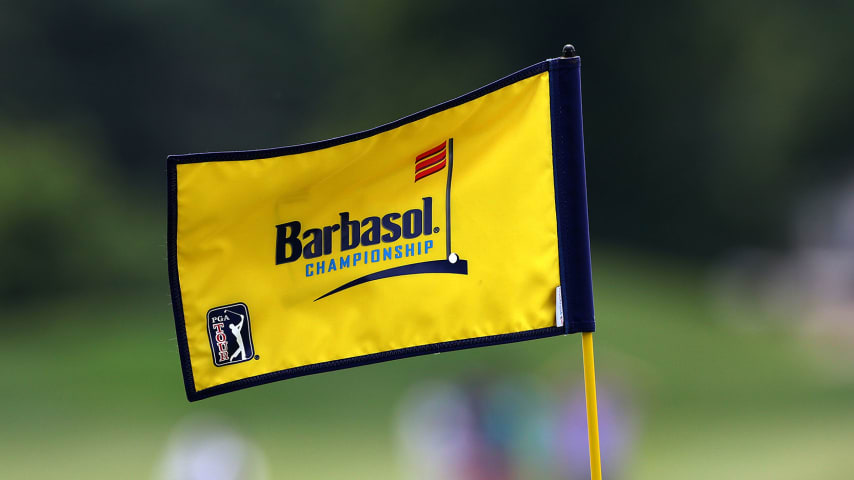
x,y
570,205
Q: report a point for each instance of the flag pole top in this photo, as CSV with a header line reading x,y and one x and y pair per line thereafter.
x,y
568,51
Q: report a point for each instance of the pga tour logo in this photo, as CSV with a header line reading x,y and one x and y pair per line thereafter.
x,y
230,335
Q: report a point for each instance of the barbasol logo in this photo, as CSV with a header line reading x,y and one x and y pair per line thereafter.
x,y
350,234
230,334
347,243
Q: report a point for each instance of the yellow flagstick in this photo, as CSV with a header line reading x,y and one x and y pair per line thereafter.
x,y
592,414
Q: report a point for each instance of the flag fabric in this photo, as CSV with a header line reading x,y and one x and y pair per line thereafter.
x,y
459,226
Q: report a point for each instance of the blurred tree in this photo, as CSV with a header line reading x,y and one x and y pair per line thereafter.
x,y
63,226
702,120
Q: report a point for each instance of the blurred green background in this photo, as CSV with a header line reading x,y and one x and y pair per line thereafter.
x,y
720,167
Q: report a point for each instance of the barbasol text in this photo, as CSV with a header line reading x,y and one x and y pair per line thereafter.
x,y
353,233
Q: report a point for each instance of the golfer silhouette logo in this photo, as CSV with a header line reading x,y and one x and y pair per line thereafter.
x,y
237,346
235,330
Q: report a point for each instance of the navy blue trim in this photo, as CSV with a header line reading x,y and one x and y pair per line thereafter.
x,y
577,321
174,282
433,266
375,358
571,194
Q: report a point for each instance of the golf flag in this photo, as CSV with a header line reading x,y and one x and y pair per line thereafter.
x,y
459,226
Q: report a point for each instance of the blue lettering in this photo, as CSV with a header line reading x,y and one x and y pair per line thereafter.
x,y
427,246
321,267
332,265
356,257
398,251
344,262
308,271
410,250
387,253
375,255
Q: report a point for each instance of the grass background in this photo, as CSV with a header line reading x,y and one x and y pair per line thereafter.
x,y
92,389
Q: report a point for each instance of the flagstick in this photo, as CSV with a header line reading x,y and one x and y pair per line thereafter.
x,y
592,414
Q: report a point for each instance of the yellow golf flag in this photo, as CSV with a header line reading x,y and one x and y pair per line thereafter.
x,y
459,226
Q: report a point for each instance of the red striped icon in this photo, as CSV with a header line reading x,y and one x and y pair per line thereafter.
x,y
431,161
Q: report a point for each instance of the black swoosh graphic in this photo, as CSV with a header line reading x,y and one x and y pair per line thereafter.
x,y
461,267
